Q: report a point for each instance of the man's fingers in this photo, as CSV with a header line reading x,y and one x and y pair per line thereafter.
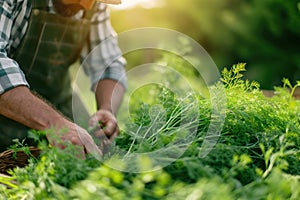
x,y
108,124
65,141
110,128
115,134
94,120
75,140
94,150
110,131
99,133
89,144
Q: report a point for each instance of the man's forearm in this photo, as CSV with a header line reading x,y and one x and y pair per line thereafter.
x,y
109,95
22,106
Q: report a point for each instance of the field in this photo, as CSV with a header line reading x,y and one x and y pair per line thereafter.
x,y
182,148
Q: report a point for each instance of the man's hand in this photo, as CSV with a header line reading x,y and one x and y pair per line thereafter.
x,y
76,135
104,125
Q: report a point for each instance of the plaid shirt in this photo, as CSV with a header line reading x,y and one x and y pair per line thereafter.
x,y
104,62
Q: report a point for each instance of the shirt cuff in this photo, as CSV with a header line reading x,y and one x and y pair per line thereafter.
x,y
116,71
10,78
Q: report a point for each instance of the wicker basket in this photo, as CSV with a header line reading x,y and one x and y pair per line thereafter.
x,y
8,161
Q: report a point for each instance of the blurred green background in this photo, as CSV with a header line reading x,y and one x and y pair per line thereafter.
x,y
265,34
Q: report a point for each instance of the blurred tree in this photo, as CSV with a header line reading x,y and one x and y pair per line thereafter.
x,y
263,33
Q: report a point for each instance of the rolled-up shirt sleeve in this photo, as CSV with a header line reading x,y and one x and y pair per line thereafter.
x,y
101,57
10,73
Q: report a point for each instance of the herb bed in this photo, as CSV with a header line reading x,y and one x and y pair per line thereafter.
x,y
255,157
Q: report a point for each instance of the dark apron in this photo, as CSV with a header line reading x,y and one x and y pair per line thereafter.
x,y
52,43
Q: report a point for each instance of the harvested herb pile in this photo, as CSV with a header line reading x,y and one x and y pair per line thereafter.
x,y
256,154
